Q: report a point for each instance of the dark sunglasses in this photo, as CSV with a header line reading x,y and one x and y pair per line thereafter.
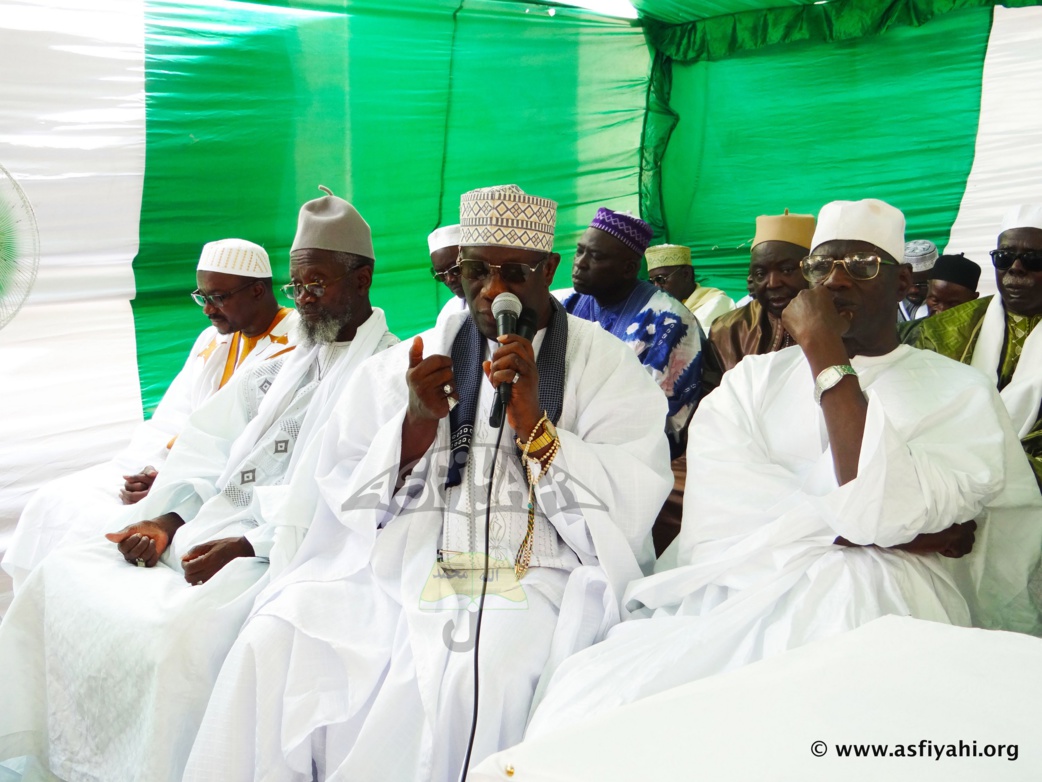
x,y
452,273
662,279
517,273
1004,258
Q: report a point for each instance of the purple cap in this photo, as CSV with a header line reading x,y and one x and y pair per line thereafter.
x,y
631,231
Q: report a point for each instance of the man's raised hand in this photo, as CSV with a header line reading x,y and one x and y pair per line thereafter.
x,y
813,315
515,358
427,379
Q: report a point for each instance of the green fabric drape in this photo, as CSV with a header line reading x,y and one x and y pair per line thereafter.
x,y
397,107
893,116
727,29
659,121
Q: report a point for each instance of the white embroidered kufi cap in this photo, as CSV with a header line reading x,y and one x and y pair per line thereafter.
x,y
235,256
869,220
440,238
662,255
331,223
921,254
1023,216
506,216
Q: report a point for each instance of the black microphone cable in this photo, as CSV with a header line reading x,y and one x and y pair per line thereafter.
x,y
526,327
481,608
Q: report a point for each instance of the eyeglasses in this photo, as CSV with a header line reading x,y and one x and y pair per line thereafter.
x,y
660,279
859,266
216,299
452,273
317,289
1004,258
517,273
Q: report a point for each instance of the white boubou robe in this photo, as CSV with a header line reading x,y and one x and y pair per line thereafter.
x,y
356,664
72,509
1022,396
757,571
108,667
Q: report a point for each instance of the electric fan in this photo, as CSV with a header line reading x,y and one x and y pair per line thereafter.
x,y
19,247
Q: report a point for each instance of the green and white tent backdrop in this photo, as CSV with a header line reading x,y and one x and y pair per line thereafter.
x,y
141,129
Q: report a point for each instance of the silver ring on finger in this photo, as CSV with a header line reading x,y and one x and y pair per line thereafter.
x,y
447,389
139,562
517,376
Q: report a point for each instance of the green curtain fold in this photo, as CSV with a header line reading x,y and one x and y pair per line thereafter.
x,y
659,121
839,20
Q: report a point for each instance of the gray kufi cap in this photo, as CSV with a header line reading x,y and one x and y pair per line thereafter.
x,y
920,254
331,223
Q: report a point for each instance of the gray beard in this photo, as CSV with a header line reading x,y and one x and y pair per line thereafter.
x,y
324,332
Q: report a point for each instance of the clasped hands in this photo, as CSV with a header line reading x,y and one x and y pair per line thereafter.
x,y
144,542
136,487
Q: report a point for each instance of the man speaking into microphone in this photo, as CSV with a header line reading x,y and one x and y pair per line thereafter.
x,y
411,480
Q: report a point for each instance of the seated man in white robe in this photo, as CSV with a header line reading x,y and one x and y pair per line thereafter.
x,y
357,663
840,480
107,666
235,292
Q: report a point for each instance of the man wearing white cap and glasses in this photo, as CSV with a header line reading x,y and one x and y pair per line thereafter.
x,y
443,244
235,291
999,335
358,662
838,482
108,666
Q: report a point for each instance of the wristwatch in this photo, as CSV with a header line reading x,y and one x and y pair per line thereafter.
x,y
539,443
829,376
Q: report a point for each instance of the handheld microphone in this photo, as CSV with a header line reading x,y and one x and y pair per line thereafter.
x,y
505,308
526,327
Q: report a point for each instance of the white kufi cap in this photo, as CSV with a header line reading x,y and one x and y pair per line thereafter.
x,y
446,236
1023,216
869,220
235,256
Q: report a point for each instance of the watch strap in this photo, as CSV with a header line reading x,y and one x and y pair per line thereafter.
x,y
829,377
